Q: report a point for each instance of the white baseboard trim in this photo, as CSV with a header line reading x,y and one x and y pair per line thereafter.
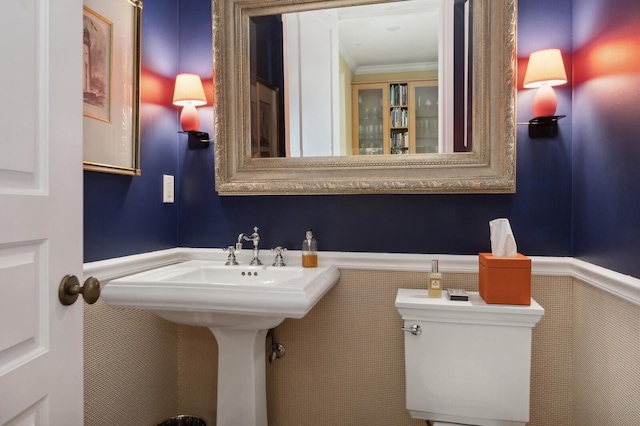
x,y
620,285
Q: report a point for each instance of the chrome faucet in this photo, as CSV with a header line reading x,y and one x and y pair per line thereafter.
x,y
255,238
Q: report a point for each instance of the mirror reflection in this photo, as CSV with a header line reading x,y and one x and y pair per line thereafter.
x,y
488,99
390,78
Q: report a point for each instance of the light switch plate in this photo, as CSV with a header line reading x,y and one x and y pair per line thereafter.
x,y
167,189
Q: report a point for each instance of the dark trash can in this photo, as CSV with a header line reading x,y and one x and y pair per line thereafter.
x,y
183,421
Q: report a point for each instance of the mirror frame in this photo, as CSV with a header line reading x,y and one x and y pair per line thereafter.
x,y
489,168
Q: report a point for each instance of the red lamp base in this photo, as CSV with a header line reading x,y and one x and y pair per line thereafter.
x,y
544,102
189,118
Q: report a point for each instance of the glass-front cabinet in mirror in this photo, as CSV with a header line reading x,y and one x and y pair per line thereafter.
x,y
371,124
423,129
396,118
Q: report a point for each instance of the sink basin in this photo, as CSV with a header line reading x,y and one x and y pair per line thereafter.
x,y
211,294
239,304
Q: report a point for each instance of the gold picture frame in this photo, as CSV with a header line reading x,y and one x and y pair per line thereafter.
x,y
111,85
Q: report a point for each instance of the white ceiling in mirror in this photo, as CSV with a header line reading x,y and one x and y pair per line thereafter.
x,y
390,37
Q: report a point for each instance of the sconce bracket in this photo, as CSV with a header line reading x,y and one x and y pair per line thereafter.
x,y
198,140
544,127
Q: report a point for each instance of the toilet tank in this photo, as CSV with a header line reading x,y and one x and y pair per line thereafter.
x,y
471,361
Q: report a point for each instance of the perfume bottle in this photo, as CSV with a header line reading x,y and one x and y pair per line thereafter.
x,y
309,251
435,281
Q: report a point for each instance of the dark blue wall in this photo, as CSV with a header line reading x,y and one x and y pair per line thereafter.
x,y
606,170
122,214
540,210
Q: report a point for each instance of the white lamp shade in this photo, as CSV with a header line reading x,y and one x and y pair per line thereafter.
x,y
189,90
545,68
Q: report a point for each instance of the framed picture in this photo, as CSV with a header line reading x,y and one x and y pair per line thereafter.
x,y
111,86
265,121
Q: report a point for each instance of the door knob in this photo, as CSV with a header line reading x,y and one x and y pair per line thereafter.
x,y
70,288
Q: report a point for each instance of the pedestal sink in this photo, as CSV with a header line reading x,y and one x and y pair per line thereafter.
x,y
239,304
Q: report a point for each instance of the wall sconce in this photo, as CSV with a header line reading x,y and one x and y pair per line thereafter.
x,y
189,94
544,71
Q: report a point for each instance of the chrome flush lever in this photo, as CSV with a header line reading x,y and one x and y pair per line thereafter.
x,y
415,329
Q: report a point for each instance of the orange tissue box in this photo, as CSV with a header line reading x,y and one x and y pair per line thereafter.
x,y
505,280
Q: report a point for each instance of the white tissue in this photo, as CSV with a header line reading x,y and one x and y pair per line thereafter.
x,y
503,243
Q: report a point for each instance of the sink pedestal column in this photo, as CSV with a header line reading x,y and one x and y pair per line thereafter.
x,y
242,392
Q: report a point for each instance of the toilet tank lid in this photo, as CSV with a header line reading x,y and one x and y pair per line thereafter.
x,y
414,304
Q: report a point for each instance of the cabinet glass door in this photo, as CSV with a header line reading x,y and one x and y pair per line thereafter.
x,y
369,139
426,119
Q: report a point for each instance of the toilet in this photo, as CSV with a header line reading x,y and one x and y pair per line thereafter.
x,y
467,363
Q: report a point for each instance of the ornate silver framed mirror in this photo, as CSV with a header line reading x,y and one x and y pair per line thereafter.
x,y
488,167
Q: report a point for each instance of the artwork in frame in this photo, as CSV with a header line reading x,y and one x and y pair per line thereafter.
x,y
96,83
111,84
264,113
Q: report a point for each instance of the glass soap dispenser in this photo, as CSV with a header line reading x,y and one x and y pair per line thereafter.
x,y
309,251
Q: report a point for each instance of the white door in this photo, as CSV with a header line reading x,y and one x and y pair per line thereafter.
x,y
311,83
40,211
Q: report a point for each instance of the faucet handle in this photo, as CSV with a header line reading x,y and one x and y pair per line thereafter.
x,y
279,259
231,259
